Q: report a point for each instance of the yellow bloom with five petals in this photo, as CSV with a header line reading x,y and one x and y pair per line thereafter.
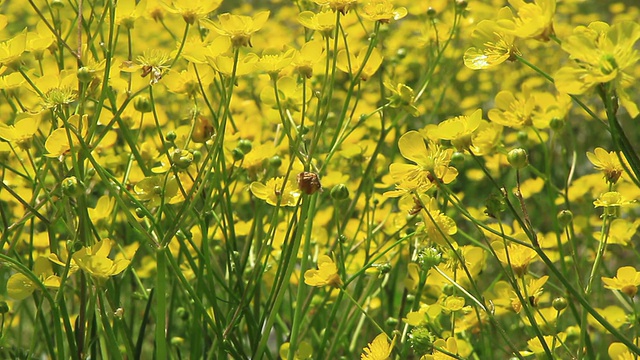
x,y
627,280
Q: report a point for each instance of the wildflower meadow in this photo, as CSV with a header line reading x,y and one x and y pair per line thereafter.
x,y
319,179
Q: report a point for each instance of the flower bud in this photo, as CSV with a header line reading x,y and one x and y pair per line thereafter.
x,y
556,124
245,145
171,136
518,158
275,161
429,258
71,186
391,322
559,303
339,192
85,74
4,307
140,213
237,154
564,218
431,12
143,104
57,4
421,340
182,313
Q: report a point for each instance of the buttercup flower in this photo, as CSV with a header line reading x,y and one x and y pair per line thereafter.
x,y
619,351
627,280
611,201
326,274
310,54
382,11
601,54
515,255
94,261
431,163
493,42
535,346
337,5
58,144
274,193
351,64
20,286
534,19
323,22
402,97
450,345
193,10
379,349
513,110
12,49
607,162
460,129
239,28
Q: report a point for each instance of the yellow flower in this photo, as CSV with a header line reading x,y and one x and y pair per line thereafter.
x,y
601,54
450,345
431,163
337,5
40,40
627,280
326,274
379,349
620,231
437,226
289,94
382,11
239,28
514,255
323,22
536,346
94,261
614,314
127,12
193,10
20,286
513,110
531,294
619,351
22,131
224,64
534,19
58,90
493,43
58,144
460,129
158,189
11,50
154,63
274,63
276,191
402,97
611,201
304,351
187,82
310,54
353,65
103,210
608,163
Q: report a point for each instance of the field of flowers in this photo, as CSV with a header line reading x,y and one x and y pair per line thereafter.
x,y
319,179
